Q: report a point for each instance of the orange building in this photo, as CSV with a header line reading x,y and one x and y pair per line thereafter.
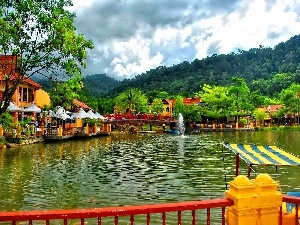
x,y
26,92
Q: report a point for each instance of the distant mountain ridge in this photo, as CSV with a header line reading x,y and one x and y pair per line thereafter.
x,y
95,85
258,66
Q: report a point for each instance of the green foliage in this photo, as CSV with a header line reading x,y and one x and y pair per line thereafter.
x,y
43,40
63,93
217,101
157,106
6,119
178,106
132,101
260,115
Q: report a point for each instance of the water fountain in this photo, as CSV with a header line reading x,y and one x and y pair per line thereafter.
x,y
181,127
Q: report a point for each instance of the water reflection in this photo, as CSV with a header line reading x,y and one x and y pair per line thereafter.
x,y
128,169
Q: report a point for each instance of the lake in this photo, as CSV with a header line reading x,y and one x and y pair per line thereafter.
x,y
131,169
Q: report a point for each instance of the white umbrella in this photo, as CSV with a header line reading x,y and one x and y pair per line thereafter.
x,y
80,114
13,108
64,116
91,114
99,116
51,113
32,108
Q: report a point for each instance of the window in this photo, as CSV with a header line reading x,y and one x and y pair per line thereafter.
x,y
24,95
30,95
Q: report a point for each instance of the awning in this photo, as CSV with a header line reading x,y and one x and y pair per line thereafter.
x,y
263,155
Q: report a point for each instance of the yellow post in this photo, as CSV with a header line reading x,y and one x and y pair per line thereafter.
x,y
221,126
270,199
202,125
60,131
237,125
246,201
1,131
43,129
87,129
214,126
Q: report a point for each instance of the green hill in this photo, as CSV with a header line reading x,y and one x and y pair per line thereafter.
x,y
266,70
258,66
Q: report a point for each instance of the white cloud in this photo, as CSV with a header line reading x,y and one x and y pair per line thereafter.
x,y
131,37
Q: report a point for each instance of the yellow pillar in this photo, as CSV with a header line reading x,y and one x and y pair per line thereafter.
x,y
214,126
270,199
87,129
43,129
202,125
221,126
60,131
255,201
237,125
246,201
1,131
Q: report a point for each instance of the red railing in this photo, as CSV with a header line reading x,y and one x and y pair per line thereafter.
x,y
293,200
125,211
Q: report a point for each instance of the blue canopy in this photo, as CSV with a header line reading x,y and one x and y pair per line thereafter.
x,y
263,155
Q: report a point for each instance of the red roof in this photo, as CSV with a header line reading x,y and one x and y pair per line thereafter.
x,y
81,104
8,61
274,108
193,100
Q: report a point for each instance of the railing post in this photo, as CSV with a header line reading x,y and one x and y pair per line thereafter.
x,y
246,201
270,199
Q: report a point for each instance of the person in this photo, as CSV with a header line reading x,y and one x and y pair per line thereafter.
x,y
36,123
164,127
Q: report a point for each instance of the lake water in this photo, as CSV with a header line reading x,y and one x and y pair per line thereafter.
x,y
131,169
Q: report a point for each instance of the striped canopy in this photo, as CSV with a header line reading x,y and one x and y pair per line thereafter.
x,y
264,155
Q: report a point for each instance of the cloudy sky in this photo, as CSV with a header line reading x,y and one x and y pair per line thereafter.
x,y
134,36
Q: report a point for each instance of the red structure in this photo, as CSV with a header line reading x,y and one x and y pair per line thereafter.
x,y
130,212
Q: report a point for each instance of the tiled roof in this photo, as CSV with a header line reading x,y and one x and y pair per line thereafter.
x,y
193,100
14,75
81,104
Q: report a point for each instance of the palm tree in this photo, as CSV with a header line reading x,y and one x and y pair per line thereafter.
x,y
131,100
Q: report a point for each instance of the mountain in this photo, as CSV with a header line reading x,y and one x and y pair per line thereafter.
x,y
265,70
99,84
258,66
95,85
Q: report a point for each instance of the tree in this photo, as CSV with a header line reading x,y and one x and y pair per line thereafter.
x,y
260,115
64,92
178,106
157,106
217,101
131,101
38,38
291,99
240,97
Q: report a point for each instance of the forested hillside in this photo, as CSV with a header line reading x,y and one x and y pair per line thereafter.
x,y
95,85
267,70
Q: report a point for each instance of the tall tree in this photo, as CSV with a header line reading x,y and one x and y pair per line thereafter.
x,y
38,38
291,99
157,106
64,92
217,101
240,97
132,101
